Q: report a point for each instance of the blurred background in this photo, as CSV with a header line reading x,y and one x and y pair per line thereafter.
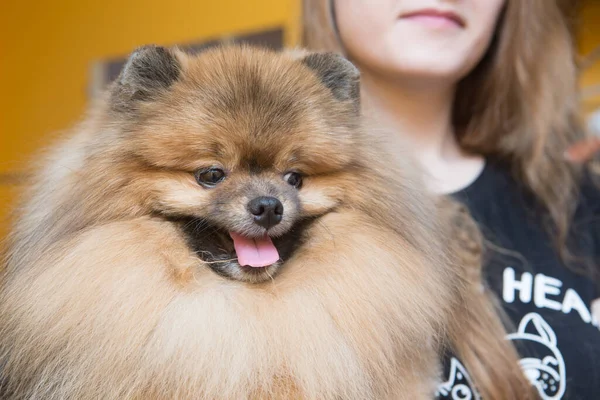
x,y
56,55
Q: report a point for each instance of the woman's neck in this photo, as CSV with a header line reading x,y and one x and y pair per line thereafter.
x,y
422,114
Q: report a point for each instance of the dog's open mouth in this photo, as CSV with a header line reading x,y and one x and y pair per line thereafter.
x,y
254,252
240,257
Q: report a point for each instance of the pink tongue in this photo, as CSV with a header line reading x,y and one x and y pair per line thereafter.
x,y
257,252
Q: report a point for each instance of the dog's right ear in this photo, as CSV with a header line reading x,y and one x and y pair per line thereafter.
x,y
337,73
149,71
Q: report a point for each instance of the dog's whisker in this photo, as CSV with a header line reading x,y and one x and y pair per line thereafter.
x,y
220,261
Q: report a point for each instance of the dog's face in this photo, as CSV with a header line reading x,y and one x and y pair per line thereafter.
x,y
243,148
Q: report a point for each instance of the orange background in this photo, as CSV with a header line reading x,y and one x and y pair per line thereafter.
x,y
589,39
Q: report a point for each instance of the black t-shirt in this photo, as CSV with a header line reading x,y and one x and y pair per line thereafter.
x,y
555,333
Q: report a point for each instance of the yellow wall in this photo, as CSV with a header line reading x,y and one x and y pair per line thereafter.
x,y
47,47
589,39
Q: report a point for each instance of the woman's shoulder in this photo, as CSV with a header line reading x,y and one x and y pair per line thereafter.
x,y
586,219
589,188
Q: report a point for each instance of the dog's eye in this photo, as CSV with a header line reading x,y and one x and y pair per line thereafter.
x,y
210,177
294,179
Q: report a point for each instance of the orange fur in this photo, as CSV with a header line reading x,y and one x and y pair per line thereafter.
x,y
103,298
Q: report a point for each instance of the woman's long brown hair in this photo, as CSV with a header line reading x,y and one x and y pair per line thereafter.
x,y
519,105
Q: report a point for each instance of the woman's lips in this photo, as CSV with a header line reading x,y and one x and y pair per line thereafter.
x,y
435,18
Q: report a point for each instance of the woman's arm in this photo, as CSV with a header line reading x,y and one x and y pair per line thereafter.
x,y
584,150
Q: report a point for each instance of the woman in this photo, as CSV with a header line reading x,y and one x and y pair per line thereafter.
x,y
486,91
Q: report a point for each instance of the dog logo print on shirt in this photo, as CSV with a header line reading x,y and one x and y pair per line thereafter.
x,y
458,386
545,370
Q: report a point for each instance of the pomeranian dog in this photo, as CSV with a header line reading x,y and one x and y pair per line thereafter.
x,y
222,226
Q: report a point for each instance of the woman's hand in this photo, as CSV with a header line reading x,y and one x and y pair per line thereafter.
x,y
584,150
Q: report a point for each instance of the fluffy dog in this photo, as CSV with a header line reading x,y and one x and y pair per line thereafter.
x,y
223,226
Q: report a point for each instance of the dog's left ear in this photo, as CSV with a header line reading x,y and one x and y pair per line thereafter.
x,y
337,74
149,71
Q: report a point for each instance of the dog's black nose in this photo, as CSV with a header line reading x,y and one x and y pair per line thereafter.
x,y
267,211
